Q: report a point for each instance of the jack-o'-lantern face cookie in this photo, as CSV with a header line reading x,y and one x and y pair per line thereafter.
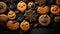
x,y
43,10
3,7
11,15
12,25
3,18
25,26
31,5
55,10
21,6
44,20
58,2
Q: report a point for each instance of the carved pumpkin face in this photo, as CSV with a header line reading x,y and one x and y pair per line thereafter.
x,y
43,10
55,10
25,26
3,7
3,18
30,4
12,25
11,15
21,6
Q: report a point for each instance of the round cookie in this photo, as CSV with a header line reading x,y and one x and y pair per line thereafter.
x,y
31,5
12,25
43,10
3,18
55,9
3,7
44,20
21,6
57,19
58,2
11,15
25,25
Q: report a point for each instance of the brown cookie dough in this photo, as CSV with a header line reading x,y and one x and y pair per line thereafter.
x,y
3,18
57,19
11,15
58,2
21,6
12,25
43,10
3,7
31,5
55,9
44,20
40,2
25,25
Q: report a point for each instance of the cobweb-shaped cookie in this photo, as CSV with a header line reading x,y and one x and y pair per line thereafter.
x,y
31,15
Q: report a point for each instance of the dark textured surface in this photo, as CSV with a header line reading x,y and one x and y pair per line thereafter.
x,y
53,28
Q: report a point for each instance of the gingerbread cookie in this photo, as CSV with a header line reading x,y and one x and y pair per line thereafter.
x,y
21,6
11,15
25,25
58,2
44,20
43,10
31,5
57,19
12,25
55,9
3,7
3,18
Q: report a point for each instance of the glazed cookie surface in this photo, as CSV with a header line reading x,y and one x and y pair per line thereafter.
x,y
44,20
3,18
25,25
21,6
3,7
11,15
12,25
55,9
43,10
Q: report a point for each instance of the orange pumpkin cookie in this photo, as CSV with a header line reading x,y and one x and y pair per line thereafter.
x,y
11,15
58,2
12,25
31,5
25,26
44,20
43,10
3,7
55,9
57,19
3,18
21,6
